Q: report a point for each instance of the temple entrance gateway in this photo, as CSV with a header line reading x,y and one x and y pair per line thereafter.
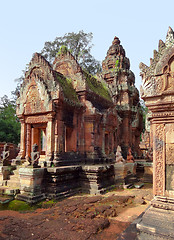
x,y
38,136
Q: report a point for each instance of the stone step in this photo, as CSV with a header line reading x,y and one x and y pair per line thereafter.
x,y
9,191
14,181
13,184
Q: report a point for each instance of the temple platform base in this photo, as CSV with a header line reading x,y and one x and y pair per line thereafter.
x,y
96,179
157,221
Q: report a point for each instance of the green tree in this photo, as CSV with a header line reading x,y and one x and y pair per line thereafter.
x,y
80,46
9,124
144,111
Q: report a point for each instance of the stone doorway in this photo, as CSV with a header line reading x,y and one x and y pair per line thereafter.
x,y
38,136
70,140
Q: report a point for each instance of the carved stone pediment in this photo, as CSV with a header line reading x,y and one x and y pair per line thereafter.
x,y
38,88
158,78
34,98
67,65
33,103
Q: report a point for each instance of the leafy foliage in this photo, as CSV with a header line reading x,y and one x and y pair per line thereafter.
x,y
144,112
9,124
79,44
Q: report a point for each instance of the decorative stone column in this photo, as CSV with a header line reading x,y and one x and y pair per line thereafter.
x,y
158,94
56,143
28,141
50,140
21,154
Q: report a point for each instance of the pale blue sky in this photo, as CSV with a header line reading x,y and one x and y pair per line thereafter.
x,y
26,25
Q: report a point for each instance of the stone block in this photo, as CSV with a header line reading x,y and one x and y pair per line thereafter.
x,y
131,168
96,179
125,172
157,221
148,172
62,181
4,173
31,180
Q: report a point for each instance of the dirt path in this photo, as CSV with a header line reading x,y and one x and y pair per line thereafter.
x,y
78,218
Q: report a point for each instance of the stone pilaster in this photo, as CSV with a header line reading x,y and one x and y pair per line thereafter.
x,y
28,141
50,140
22,152
158,94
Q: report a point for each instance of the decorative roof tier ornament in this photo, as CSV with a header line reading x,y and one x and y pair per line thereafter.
x,y
157,78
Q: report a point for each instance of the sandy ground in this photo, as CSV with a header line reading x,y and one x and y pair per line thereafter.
x,y
80,217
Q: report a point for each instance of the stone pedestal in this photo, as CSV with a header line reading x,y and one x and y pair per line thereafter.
x,y
157,221
31,184
62,181
4,174
124,171
120,173
96,179
148,172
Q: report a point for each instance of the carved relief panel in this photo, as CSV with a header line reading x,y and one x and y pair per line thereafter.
x,y
33,104
159,171
165,81
169,157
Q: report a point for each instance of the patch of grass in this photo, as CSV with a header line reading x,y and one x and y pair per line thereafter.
x,y
21,206
47,203
17,205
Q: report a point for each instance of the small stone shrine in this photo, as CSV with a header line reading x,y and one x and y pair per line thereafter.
x,y
77,121
158,94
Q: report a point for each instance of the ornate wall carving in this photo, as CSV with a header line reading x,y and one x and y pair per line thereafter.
x,y
159,166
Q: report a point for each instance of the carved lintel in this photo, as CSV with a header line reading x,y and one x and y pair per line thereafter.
x,y
163,203
37,119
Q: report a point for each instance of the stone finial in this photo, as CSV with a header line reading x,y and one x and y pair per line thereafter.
x,y
143,67
161,45
38,58
116,41
169,37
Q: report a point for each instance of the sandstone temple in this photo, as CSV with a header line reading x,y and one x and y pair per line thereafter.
x,y
77,121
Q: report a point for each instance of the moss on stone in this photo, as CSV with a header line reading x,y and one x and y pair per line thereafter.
x,y
63,50
68,90
47,204
116,64
16,205
97,87
21,206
